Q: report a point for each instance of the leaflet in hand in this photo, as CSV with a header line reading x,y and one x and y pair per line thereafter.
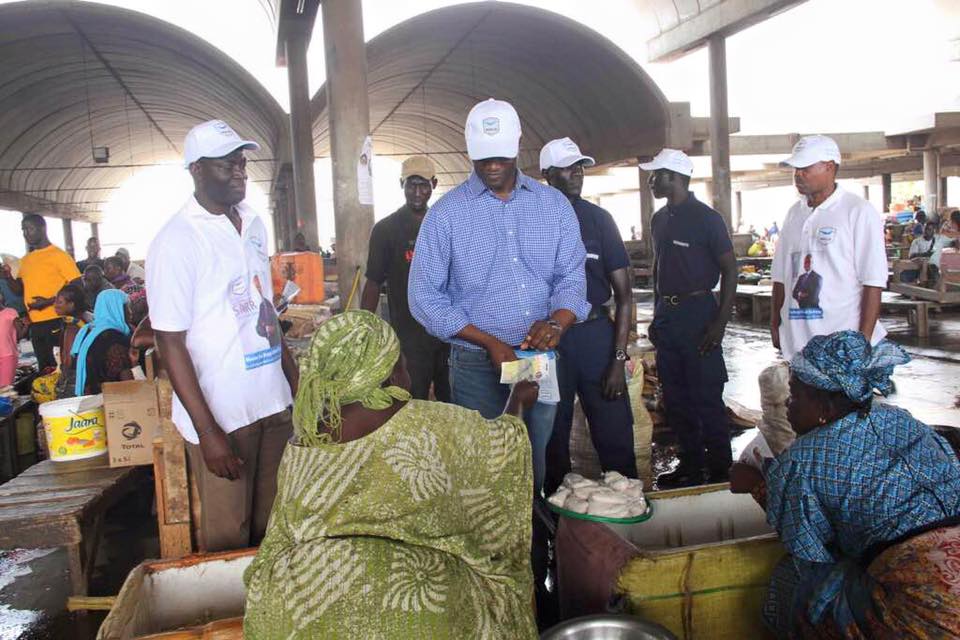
x,y
536,366
532,369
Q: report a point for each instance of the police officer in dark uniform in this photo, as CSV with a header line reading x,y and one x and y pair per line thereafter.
x,y
692,251
593,352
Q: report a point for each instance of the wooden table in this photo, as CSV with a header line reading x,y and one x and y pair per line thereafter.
x,y
760,300
62,504
918,311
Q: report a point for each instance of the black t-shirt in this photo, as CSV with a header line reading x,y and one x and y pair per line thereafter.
x,y
605,250
689,240
391,251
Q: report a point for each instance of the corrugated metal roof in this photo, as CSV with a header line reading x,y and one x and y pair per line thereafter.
x,y
78,75
564,79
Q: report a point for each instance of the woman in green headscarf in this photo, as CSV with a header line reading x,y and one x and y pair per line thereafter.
x,y
394,518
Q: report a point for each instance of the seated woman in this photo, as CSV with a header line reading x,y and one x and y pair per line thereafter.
x,y
394,518
101,350
866,502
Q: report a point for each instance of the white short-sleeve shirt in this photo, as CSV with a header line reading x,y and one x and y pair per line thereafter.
x,y
824,258
214,283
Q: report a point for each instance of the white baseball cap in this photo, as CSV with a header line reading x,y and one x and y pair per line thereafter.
x,y
672,159
213,139
493,130
810,150
563,153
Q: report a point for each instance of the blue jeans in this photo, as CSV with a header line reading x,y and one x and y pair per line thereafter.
x,y
475,384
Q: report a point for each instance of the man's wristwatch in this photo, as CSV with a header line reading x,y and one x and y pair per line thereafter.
x,y
555,325
620,355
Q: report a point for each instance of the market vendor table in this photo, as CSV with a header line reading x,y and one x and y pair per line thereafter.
x,y
62,504
759,299
918,311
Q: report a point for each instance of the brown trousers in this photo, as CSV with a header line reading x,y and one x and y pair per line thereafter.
x,y
234,513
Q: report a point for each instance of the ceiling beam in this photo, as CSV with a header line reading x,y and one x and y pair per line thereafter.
x,y
726,17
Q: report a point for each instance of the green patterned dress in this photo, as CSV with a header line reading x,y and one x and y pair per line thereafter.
x,y
419,530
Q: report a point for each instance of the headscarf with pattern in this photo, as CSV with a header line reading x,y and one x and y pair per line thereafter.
x,y
845,361
350,356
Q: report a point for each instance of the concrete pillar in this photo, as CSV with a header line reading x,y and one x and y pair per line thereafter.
x,y
886,187
68,237
931,180
284,208
738,211
943,191
349,113
95,230
301,136
646,211
720,127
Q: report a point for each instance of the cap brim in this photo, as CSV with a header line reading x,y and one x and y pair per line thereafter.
x,y
569,161
225,150
650,166
802,162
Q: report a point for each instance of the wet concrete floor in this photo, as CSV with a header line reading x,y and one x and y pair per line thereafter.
x,y
34,584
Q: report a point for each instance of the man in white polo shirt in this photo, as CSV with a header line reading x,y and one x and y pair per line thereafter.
x,y
839,237
210,285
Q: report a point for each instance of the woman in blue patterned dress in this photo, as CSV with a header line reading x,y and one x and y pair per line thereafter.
x,y
866,502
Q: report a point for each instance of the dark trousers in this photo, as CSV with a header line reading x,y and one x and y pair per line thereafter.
x,y
234,513
585,352
45,336
428,364
692,384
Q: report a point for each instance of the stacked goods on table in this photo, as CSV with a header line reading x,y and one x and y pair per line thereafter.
x,y
615,496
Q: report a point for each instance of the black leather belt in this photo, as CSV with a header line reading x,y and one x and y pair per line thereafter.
x,y
680,297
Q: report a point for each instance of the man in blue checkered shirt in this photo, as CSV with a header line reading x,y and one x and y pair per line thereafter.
x,y
498,266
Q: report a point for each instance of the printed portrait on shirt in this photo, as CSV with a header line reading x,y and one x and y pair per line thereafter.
x,y
257,322
806,288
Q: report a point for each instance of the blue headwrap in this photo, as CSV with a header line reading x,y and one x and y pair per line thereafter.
x,y
845,361
108,314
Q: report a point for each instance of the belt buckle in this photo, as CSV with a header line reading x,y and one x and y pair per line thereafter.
x,y
674,300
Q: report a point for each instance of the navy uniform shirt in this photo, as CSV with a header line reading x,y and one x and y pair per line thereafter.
x,y
605,250
689,240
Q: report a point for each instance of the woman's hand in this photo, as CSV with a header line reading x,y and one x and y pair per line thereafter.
x,y
522,397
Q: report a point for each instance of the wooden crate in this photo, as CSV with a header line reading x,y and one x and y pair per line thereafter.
x,y
699,567
197,597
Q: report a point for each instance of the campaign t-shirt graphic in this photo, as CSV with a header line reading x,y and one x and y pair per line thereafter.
x,y
806,291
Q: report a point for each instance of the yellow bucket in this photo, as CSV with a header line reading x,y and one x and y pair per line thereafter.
x,y
75,428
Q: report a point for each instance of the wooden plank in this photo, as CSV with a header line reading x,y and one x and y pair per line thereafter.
x,y
43,510
174,537
175,482
47,496
40,533
49,483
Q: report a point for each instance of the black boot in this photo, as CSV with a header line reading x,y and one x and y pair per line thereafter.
x,y
685,475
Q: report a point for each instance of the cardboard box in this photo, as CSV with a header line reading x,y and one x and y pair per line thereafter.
x,y
133,419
